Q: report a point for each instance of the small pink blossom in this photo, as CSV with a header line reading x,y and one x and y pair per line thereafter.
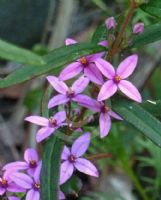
x,y
117,78
85,64
110,23
105,114
138,28
30,164
7,184
72,159
49,126
67,94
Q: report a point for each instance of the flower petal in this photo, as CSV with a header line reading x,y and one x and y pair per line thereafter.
x,y
37,172
107,90
93,74
60,117
105,67
86,167
43,133
61,195
18,165
57,84
93,57
114,115
70,41
103,43
80,85
41,121
87,102
130,90
2,191
81,145
31,154
70,71
12,187
105,124
33,195
22,180
66,171
127,66
65,153
58,100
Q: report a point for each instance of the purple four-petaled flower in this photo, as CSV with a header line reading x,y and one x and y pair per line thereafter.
x,y
67,94
117,78
105,114
72,159
49,125
30,164
7,184
85,64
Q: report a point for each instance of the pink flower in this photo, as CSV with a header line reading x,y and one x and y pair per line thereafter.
x,y
30,164
72,159
110,23
138,28
6,184
117,78
67,94
49,125
85,64
105,114
32,185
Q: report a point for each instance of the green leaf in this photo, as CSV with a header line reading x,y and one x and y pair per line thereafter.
x,y
52,149
152,33
153,8
11,52
72,186
153,107
55,60
100,34
139,118
51,159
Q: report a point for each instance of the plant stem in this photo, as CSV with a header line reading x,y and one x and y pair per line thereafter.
x,y
115,47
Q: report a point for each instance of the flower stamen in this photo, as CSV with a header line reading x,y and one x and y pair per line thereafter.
x,y
83,60
4,183
52,122
33,164
117,79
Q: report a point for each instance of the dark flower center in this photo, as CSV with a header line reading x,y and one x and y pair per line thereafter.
x,y
72,158
33,164
70,93
4,183
117,79
36,186
52,122
105,109
84,61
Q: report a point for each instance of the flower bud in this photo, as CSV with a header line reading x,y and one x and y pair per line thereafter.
x,y
138,28
110,23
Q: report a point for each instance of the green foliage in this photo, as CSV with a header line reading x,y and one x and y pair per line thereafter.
x,y
54,61
100,34
153,160
139,118
11,52
153,8
72,186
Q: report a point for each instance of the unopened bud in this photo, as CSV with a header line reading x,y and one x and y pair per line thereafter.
x,y
138,28
110,23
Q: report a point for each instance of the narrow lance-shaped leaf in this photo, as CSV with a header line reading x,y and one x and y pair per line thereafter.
x,y
52,149
139,118
55,60
11,52
153,8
